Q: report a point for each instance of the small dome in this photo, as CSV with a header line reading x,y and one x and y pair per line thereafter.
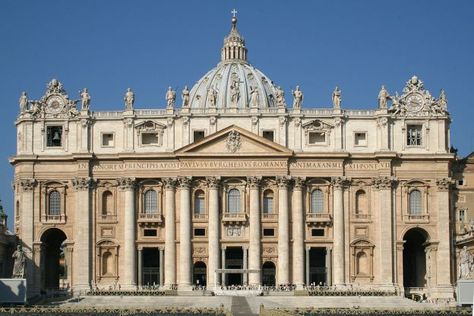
x,y
233,83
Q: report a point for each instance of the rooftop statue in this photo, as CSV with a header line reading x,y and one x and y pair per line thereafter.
x,y
336,98
19,264
383,97
280,97
170,97
235,90
254,97
212,97
185,97
129,99
85,100
23,102
297,97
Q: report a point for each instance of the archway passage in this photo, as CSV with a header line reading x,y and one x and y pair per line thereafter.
x,y
268,274
52,258
234,260
414,258
199,273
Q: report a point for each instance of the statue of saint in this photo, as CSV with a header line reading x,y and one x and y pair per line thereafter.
x,y
280,97
129,99
234,92
336,98
383,97
465,264
442,101
23,102
254,97
297,98
212,97
170,97
85,100
185,96
19,263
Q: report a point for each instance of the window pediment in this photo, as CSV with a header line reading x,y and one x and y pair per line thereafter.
x,y
317,126
149,126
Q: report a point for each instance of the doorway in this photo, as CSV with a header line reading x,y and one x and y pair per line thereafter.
x,y
234,258
52,258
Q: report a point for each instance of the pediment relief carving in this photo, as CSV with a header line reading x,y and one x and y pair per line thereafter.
x,y
149,126
362,243
317,126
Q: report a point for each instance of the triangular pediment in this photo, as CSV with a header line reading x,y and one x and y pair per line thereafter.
x,y
234,141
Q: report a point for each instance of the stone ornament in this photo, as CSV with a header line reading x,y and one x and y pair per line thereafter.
x,y
336,98
298,183
297,122
233,141
255,120
82,184
213,182
184,182
212,120
444,184
85,100
254,182
234,231
27,184
466,265
19,258
170,183
383,97
382,121
282,120
170,98
185,97
283,182
129,99
127,183
297,98
383,183
339,182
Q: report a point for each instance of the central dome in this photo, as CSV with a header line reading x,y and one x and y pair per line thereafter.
x,y
233,83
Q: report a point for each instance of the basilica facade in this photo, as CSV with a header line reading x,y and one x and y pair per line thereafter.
x,y
229,184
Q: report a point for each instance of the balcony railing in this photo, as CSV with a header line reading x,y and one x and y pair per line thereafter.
x,y
269,216
318,218
230,218
149,218
54,218
200,216
107,217
417,218
362,217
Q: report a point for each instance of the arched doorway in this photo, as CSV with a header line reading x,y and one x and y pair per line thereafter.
x,y
268,273
199,273
52,258
414,258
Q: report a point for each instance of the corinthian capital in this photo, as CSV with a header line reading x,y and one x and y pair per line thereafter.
x,y
82,184
184,182
283,182
170,183
443,184
383,183
27,184
126,183
254,182
339,182
213,182
298,183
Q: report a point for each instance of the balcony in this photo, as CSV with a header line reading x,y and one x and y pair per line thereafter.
x,y
150,219
107,218
318,219
269,217
200,217
418,218
234,218
54,219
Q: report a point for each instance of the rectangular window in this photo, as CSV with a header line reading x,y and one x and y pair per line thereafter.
x,y
460,182
268,135
317,232
198,135
360,139
149,138
199,232
54,136
108,140
414,136
150,233
462,215
268,232
316,138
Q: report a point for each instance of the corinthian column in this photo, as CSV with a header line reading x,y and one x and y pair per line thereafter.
x,y
298,233
283,232
254,231
82,253
170,233
128,277
338,242
213,229
185,234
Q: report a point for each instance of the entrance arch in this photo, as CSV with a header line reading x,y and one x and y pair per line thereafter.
x,y
268,273
414,258
199,273
53,265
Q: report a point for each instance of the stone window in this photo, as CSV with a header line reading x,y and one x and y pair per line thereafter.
x,y
461,215
360,139
108,140
460,182
107,203
361,202
233,201
150,232
317,201
54,203
362,264
54,136
267,202
150,133
268,135
199,204
415,203
268,232
198,135
316,138
150,202
149,138
106,263
200,232
414,135
317,232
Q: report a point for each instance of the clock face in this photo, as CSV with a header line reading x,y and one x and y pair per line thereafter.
x,y
414,102
55,104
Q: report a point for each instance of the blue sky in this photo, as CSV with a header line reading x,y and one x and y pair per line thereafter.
x,y
108,46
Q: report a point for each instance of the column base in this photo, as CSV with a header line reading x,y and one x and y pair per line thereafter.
x,y
442,294
185,287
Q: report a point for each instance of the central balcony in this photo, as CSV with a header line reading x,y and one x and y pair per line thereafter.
x,y
150,219
318,219
234,218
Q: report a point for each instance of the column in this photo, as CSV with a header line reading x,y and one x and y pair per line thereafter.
x,y
385,250
140,266
27,234
246,274
185,258
338,242
85,123
128,277
170,233
308,249
161,266
298,233
82,234
223,265
213,230
254,231
283,232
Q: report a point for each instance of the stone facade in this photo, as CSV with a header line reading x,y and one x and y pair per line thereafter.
x,y
235,178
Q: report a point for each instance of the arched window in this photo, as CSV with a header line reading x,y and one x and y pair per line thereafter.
x,y
106,263
268,202
361,202
233,201
107,203
317,201
150,202
199,203
54,200
414,199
